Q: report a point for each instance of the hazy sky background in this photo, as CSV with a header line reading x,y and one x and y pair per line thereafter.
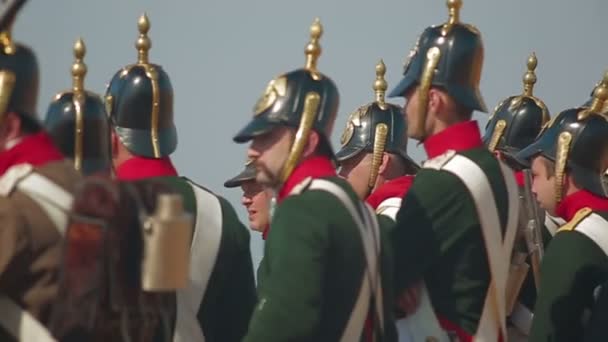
x,y
221,54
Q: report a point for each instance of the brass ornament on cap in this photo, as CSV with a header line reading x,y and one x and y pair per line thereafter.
x,y
530,75
7,85
143,45
348,133
312,101
600,95
499,130
381,129
380,85
529,80
380,136
354,120
79,71
453,16
313,49
309,114
426,80
276,88
563,149
6,40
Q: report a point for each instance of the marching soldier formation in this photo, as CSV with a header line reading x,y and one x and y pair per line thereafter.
x,y
501,236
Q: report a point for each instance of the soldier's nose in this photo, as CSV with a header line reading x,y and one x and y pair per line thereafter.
x,y
252,154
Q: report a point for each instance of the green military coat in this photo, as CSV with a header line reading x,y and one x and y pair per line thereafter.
x,y
438,239
573,267
312,269
230,295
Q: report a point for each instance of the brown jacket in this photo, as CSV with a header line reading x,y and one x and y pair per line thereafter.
x,y
30,245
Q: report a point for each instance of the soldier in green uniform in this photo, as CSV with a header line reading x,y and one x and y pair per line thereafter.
x,y
373,157
78,123
326,272
218,302
515,124
36,187
595,331
256,198
568,161
457,224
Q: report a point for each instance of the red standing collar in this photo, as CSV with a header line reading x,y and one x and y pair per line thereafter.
x,y
397,187
140,168
35,149
313,167
459,137
572,203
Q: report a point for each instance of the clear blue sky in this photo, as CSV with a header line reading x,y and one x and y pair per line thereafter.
x,y
221,54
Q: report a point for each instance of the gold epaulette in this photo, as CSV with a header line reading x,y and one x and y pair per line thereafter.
x,y
578,217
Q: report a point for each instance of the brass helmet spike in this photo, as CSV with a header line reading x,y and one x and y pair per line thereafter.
x,y
453,16
454,11
313,49
6,38
143,43
380,84
530,77
600,95
79,69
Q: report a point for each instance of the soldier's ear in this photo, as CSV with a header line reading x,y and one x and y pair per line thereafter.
x,y
435,103
384,166
11,127
312,144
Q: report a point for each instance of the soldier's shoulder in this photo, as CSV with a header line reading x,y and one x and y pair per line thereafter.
x,y
432,178
586,233
438,162
576,220
312,195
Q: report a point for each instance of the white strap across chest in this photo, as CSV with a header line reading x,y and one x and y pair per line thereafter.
x,y
389,207
595,227
56,203
553,223
498,250
371,285
204,250
21,324
53,199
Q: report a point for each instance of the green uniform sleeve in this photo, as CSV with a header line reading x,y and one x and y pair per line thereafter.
x,y
415,237
290,296
230,296
596,331
572,267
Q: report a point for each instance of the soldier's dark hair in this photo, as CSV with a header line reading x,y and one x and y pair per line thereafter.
x,y
464,113
324,148
29,125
